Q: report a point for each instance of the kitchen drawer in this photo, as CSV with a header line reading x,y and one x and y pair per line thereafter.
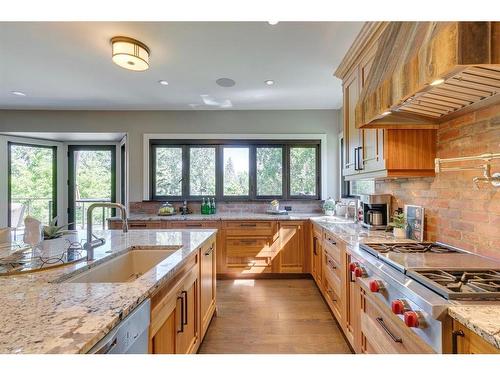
x,y
252,228
142,224
332,271
331,295
331,246
248,247
383,333
191,224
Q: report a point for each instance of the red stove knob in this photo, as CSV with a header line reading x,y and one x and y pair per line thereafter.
x,y
376,285
353,265
411,319
359,272
398,307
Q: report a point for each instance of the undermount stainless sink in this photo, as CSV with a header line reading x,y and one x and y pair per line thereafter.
x,y
124,268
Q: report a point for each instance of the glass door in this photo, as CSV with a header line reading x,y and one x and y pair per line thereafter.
x,y
91,179
32,183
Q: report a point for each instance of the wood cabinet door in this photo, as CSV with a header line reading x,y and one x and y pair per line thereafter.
x,y
316,262
351,133
291,247
352,307
188,335
207,285
163,339
468,342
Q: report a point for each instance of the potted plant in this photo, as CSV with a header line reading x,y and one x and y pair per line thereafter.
x,y
53,235
398,224
329,207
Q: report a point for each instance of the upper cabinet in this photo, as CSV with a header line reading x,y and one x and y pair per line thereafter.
x,y
424,73
377,152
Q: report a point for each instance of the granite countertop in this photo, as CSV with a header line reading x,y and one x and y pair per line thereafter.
x,y
481,319
40,315
222,216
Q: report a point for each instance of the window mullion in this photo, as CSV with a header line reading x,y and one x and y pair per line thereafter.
x,y
185,172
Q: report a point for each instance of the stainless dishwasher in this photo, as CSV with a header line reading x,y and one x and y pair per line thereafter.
x,y
130,336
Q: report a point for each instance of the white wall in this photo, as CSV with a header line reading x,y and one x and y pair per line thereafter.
x,y
138,123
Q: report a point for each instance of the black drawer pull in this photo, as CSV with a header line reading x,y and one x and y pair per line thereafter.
x,y
182,314
248,225
209,251
454,340
387,330
138,225
193,225
185,298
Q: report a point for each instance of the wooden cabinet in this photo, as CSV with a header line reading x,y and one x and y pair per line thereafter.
x,y
352,308
317,255
383,333
174,327
465,341
138,224
291,248
379,153
192,224
207,285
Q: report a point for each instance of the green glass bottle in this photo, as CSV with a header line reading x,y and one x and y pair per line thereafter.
x,y
212,207
203,207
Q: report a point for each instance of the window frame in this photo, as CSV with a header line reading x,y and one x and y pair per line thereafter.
x,y
219,145
9,176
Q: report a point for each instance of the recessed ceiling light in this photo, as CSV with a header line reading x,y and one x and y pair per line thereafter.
x,y
269,82
18,93
129,53
225,82
163,82
437,82
272,22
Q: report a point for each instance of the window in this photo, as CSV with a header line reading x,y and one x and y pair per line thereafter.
x,y
303,171
234,169
269,165
202,171
168,166
32,188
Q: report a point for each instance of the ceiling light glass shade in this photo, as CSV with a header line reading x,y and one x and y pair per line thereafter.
x,y
130,53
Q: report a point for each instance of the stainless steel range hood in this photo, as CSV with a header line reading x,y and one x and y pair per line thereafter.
x,y
425,73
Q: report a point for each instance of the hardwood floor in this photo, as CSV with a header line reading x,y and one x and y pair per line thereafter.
x,y
272,316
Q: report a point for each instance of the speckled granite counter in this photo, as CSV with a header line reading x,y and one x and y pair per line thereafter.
x,y
41,316
223,216
483,320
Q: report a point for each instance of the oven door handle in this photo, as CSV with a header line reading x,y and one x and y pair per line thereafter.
x,y
388,331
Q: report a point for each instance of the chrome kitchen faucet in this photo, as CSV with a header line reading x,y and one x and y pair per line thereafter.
x,y
91,244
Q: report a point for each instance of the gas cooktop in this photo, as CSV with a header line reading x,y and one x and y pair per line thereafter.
x,y
408,248
460,283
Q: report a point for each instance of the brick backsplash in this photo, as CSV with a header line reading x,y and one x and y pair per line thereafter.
x,y
455,212
149,207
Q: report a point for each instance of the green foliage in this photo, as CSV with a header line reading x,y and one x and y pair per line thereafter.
x,y
235,183
303,171
53,231
202,171
169,171
93,174
398,221
269,171
31,177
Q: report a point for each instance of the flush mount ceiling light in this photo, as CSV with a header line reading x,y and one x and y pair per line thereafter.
x,y
437,82
130,53
18,93
269,82
163,82
272,22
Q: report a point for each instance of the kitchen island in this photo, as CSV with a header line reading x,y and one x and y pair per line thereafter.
x,y
43,314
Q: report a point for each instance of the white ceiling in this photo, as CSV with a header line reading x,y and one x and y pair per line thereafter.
x,y
68,65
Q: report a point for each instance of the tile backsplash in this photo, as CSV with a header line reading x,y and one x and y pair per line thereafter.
x,y
149,207
456,212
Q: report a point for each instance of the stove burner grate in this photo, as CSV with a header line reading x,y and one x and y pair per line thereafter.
x,y
407,248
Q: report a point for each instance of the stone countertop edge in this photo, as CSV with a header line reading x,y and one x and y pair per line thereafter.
x,y
217,217
70,318
481,319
